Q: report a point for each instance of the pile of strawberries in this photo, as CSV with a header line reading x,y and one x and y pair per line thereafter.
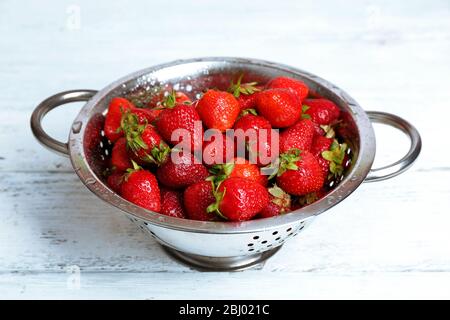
x,y
269,179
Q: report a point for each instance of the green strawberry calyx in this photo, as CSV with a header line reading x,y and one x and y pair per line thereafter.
x,y
304,114
239,88
214,207
133,130
170,100
280,198
130,171
247,112
308,199
335,155
288,161
158,155
329,131
220,172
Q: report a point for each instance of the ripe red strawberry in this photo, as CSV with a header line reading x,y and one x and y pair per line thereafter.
x,y
247,101
141,188
239,199
299,173
331,156
172,203
299,136
181,116
162,99
114,116
240,168
180,98
181,174
260,147
216,153
120,159
218,109
197,198
143,141
319,145
280,202
280,106
146,115
115,180
298,87
251,121
322,111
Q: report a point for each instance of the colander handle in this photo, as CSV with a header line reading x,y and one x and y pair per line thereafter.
x,y
394,169
49,104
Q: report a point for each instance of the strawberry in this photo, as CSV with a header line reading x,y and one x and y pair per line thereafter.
x,y
141,188
239,199
280,106
319,145
143,140
180,116
251,121
112,120
247,101
299,136
181,174
114,181
321,111
218,109
280,202
146,115
260,147
216,153
240,168
298,87
244,92
197,198
333,159
172,203
120,159
174,98
299,173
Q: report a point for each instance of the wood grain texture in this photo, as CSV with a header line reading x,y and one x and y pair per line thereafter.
x,y
388,240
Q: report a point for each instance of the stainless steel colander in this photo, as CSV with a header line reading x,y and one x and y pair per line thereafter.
x,y
217,245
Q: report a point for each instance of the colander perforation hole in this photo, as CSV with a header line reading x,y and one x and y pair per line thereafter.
x,y
251,249
264,242
250,244
255,237
277,238
289,230
275,233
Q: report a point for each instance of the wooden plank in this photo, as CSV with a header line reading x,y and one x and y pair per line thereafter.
x,y
241,285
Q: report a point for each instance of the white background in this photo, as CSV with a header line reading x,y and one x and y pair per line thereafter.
x,y
388,240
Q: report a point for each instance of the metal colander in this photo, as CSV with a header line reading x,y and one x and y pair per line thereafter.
x,y
216,245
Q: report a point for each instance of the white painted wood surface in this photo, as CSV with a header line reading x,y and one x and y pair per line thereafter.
x,y
388,240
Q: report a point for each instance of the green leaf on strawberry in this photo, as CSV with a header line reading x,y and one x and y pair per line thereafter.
x,y
288,161
129,124
214,207
239,88
304,114
336,156
329,131
280,198
170,100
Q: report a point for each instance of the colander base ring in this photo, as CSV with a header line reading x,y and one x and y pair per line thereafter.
x,y
204,263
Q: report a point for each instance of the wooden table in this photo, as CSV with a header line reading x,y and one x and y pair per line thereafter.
x,y
388,240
